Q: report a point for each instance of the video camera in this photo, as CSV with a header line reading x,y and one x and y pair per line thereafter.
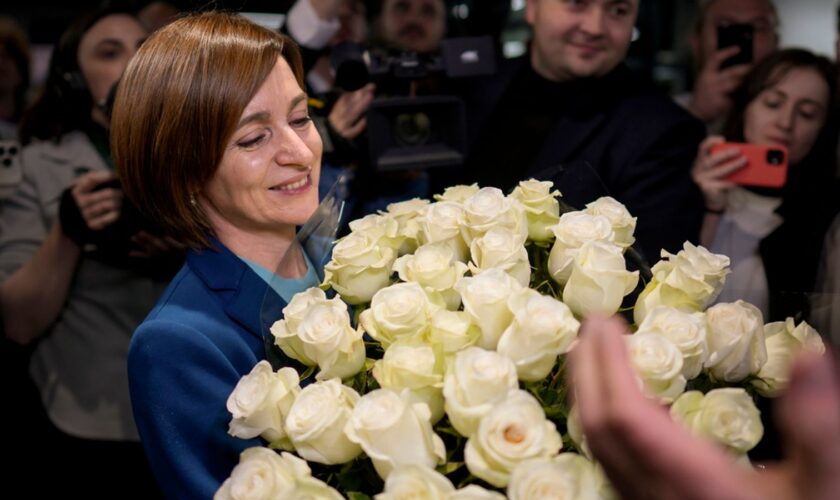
x,y
406,131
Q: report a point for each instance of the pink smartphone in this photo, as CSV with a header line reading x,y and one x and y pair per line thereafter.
x,y
766,166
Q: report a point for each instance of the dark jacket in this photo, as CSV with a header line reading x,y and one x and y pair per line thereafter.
x,y
614,135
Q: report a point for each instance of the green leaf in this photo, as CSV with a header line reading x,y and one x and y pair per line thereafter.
x,y
356,495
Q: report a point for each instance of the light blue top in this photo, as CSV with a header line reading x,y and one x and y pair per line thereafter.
x,y
286,287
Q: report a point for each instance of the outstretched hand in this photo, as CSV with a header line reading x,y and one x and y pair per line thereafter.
x,y
646,454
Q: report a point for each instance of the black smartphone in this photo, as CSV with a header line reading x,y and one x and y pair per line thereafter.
x,y
738,35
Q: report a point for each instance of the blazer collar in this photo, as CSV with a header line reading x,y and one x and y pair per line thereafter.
x,y
247,299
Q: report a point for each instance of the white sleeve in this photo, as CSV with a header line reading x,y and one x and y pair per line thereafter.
x,y
307,28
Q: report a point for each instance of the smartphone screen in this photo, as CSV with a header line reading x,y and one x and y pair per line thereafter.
x,y
738,35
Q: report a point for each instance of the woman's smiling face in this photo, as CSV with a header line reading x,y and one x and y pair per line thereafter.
x,y
268,177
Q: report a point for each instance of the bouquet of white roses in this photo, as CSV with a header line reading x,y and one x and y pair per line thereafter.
x,y
438,369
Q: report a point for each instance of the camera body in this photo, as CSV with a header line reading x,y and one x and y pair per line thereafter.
x,y
407,131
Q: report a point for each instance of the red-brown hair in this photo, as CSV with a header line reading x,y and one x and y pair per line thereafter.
x,y
177,106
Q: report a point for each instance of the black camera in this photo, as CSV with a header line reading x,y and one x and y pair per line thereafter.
x,y
406,131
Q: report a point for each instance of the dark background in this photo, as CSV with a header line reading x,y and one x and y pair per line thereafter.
x,y
660,51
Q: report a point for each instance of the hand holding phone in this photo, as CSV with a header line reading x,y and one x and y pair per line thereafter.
x,y
766,165
736,35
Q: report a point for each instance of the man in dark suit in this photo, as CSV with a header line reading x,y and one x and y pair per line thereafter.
x,y
571,112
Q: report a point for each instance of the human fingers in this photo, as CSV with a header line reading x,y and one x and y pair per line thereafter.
x,y
354,130
720,56
86,183
809,414
103,219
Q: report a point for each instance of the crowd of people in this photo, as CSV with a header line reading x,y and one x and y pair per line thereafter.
x,y
156,180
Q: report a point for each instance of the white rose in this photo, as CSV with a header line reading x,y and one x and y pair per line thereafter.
x,y
316,422
293,315
485,300
260,402
658,362
473,384
416,368
735,334
541,207
458,194
453,331
689,280
441,223
434,267
415,482
382,229
393,431
784,340
686,330
515,430
623,224
489,208
566,476
263,474
727,416
402,310
407,213
475,492
542,329
571,232
324,335
599,279
359,267
575,428
500,247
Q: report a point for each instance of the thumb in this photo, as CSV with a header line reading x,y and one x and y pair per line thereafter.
x,y
809,416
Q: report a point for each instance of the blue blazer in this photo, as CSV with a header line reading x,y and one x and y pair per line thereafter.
x,y
185,359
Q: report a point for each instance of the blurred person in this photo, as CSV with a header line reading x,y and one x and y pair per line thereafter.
x,y
645,454
14,76
412,25
570,111
154,15
236,163
66,286
711,98
774,236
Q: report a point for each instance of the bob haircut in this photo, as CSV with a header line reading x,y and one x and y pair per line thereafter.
x,y
177,107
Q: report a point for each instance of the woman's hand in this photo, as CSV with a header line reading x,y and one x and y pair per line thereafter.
x,y
99,206
347,115
711,169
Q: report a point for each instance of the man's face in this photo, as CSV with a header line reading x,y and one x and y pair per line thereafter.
x,y
416,25
758,13
579,38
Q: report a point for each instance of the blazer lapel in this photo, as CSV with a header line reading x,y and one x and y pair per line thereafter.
x,y
247,299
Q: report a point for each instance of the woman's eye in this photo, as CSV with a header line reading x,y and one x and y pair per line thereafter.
x,y
772,102
301,122
250,143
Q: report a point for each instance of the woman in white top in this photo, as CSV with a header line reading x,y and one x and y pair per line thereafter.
x,y
774,236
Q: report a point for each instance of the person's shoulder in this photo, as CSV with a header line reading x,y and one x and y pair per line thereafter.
x,y
642,98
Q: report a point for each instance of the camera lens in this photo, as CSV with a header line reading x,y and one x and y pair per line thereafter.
x,y
413,129
775,157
